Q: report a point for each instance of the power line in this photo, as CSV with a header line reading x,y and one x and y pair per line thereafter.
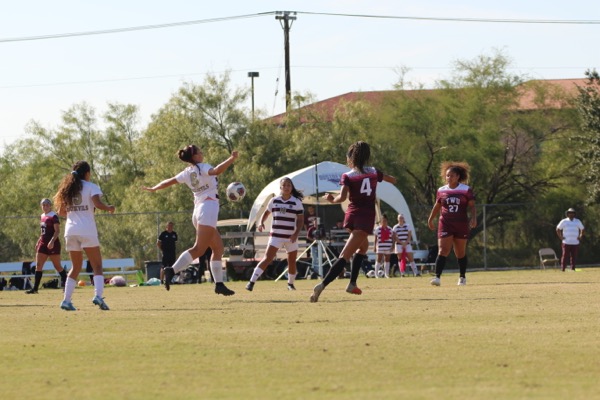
x,y
449,19
129,29
244,70
222,19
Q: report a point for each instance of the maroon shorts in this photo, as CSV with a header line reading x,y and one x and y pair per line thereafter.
x,y
42,248
363,220
459,230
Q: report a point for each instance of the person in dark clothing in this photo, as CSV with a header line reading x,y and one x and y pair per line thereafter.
x,y
167,242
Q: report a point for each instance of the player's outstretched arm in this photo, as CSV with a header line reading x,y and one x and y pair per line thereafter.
x,y
162,185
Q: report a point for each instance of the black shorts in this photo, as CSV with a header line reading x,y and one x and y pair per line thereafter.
x,y
168,261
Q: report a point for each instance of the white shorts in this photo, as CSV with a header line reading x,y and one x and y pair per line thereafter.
x,y
80,242
399,248
385,252
283,243
206,213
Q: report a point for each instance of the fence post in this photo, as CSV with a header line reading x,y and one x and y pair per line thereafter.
x,y
484,238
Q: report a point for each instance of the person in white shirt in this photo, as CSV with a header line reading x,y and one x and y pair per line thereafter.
x,y
76,199
201,178
570,232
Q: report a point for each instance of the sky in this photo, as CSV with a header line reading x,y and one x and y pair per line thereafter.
x,y
329,54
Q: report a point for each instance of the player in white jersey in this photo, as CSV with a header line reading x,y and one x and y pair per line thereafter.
x,y
404,234
201,178
76,199
384,241
287,211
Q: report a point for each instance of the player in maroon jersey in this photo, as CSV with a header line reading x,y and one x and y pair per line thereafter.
x,y
359,185
454,202
48,246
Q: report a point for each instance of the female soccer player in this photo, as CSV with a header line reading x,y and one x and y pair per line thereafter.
x,y
453,200
287,223
201,178
404,235
76,199
48,246
385,238
359,185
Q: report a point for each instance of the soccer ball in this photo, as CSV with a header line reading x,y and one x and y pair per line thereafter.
x,y
236,191
371,274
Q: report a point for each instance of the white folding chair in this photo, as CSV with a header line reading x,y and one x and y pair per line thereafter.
x,y
548,257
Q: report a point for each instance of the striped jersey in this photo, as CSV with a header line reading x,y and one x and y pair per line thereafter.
x,y
285,213
401,231
384,239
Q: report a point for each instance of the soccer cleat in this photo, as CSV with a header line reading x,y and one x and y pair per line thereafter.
x,y
67,305
436,281
220,288
317,290
291,286
99,301
250,286
462,281
169,273
32,291
353,289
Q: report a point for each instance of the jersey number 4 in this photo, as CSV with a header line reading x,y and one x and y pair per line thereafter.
x,y
365,187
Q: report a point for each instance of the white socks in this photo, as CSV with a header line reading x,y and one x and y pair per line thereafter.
x,y
183,261
377,268
386,269
99,285
216,267
256,274
291,278
69,288
413,265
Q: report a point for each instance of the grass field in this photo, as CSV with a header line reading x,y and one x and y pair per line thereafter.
x,y
507,335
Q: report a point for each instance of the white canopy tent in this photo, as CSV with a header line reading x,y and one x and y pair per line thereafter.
x,y
326,176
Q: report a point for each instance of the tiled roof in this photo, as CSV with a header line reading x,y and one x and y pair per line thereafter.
x,y
548,94
535,94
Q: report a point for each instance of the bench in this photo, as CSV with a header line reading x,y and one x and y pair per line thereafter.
x,y
111,266
420,257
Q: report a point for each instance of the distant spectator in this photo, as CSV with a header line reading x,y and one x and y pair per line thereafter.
x,y
570,231
309,217
167,243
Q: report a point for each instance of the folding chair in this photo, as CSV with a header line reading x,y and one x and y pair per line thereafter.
x,y
548,257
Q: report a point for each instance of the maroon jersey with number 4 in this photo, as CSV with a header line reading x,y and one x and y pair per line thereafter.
x,y
362,186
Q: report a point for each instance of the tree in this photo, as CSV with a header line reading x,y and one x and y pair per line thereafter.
x,y
588,141
215,109
472,117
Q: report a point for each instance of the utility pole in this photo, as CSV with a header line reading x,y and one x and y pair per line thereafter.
x,y
286,18
253,75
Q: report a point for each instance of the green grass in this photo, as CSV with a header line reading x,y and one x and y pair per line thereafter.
x,y
507,335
